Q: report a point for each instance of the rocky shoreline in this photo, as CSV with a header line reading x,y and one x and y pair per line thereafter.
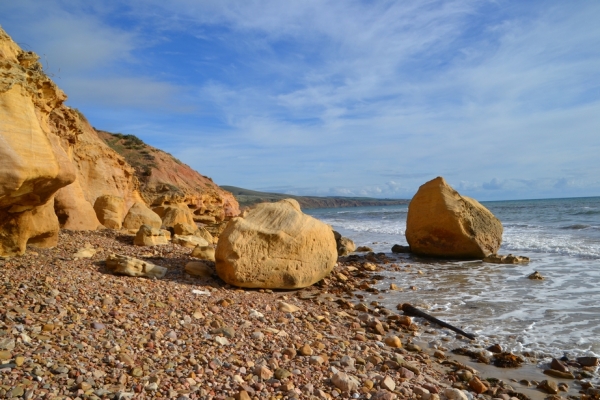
x,y
70,329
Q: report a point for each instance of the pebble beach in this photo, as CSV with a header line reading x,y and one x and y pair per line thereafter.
x,y
70,329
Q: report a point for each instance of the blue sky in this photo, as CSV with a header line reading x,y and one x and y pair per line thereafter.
x,y
344,97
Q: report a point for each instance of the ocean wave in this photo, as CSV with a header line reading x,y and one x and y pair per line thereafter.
x,y
555,244
591,211
372,212
576,226
377,227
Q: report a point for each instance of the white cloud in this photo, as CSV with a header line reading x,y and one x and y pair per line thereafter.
x,y
364,98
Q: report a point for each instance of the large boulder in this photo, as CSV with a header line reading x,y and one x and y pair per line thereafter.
x,y
139,214
275,246
185,229
109,210
74,212
442,223
174,214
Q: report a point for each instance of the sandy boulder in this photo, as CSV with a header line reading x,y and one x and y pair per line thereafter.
x,y
442,223
123,265
198,268
275,245
109,210
139,214
74,212
344,245
149,236
185,229
204,253
172,215
190,241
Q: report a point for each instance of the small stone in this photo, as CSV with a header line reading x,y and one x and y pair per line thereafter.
x,y
455,394
242,395
137,372
84,386
405,373
98,326
393,341
344,382
7,344
17,391
588,361
126,359
536,276
477,386
347,361
306,350
559,374
464,375
384,395
290,352
413,347
548,386
5,355
19,360
286,307
558,365
282,374
263,372
222,340
226,331
316,360
258,335
495,348
439,354
388,383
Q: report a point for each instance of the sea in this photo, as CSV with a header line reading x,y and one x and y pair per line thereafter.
x,y
556,316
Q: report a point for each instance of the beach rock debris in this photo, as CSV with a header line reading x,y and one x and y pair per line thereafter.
x,y
508,259
536,276
344,245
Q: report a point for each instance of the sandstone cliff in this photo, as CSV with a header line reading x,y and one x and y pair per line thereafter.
x,y
36,133
165,180
54,166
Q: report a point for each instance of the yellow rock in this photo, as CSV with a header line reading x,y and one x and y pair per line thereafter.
x,y
198,268
109,210
124,265
442,223
275,245
393,341
140,214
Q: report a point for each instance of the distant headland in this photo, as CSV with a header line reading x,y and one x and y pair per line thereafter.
x,y
246,197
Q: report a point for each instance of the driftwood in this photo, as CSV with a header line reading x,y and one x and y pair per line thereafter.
x,y
410,310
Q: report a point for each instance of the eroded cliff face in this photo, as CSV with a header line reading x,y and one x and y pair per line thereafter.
x,y
35,131
164,180
54,165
